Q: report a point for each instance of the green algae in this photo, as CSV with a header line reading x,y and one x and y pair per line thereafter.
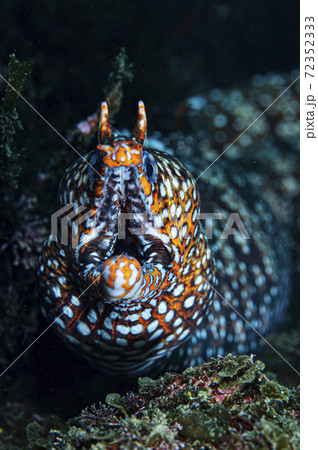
x,y
10,124
34,437
22,231
273,390
19,72
83,135
226,403
122,73
208,426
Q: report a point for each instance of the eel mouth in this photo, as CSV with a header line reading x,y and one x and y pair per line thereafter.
x,y
131,258
128,245
147,248
130,220
124,225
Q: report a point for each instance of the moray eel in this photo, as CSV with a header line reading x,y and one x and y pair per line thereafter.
x,y
129,276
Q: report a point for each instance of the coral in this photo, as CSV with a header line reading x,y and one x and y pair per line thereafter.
x,y
99,416
226,403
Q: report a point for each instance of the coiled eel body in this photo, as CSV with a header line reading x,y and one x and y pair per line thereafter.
x,y
134,287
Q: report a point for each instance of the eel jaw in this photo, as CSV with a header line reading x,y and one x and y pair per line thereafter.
x,y
125,272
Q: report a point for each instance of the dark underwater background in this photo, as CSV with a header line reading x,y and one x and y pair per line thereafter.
x,y
179,49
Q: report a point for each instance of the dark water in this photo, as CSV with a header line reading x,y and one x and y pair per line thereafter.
x,y
179,49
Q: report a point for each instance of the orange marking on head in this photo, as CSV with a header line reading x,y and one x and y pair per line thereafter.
x,y
123,152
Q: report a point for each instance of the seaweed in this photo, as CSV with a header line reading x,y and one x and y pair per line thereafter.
x,y
10,125
22,231
122,72
84,134
225,403
21,427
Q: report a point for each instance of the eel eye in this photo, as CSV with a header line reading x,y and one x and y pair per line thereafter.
x,y
150,167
